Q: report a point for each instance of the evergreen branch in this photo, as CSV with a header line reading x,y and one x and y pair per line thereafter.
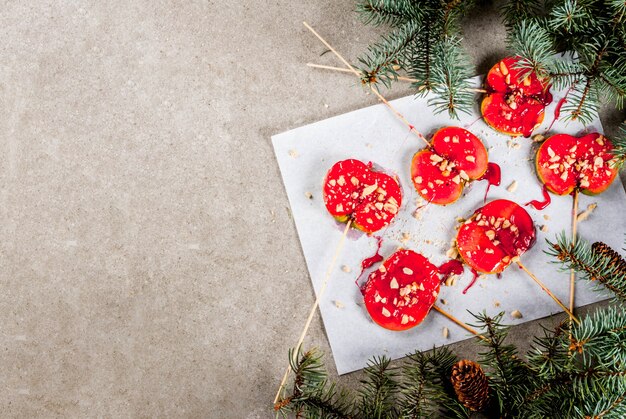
x,y
312,396
531,41
387,12
619,147
604,407
514,11
450,79
378,390
595,267
509,375
381,57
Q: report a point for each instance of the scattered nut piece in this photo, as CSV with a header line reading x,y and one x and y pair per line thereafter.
x,y
538,138
586,213
346,268
444,301
445,332
496,303
294,154
512,187
339,304
546,217
309,195
516,314
544,228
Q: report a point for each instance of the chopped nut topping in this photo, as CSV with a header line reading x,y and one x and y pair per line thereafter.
x,y
463,175
407,271
489,251
405,319
503,69
436,158
354,181
418,179
393,284
369,189
551,152
339,208
386,312
456,179
491,234
379,206
341,180
332,182
470,158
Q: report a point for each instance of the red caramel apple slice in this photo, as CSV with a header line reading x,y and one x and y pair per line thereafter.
x,y
514,105
565,163
457,156
494,235
400,293
353,190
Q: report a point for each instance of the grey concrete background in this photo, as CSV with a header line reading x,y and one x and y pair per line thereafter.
x,y
148,264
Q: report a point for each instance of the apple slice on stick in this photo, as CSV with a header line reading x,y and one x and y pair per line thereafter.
x,y
516,99
400,293
495,236
455,158
571,165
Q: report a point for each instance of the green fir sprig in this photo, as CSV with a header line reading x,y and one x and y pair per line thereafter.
x,y
425,42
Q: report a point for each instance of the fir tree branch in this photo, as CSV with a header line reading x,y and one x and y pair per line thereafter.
x,y
378,390
580,257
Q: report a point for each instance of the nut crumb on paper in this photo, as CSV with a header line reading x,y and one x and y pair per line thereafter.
x,y
538,138
346,268
546,217
339,304
544,228
512,187
444,301
445,332
516,314
405,237
294,153
308,194
587,212
496,303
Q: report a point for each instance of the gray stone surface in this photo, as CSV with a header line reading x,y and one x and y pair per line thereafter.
x,y
148,263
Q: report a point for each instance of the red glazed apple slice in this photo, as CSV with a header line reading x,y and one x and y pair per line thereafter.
x,y
565,163
514,105
494,235
353,190
457,156
400,293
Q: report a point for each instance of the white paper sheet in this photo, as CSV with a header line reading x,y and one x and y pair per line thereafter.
x,y
373,134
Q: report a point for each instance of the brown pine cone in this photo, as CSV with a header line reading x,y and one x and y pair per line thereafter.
x,y
470,384
616,261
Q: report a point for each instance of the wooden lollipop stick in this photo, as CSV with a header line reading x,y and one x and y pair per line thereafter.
x,y
457,321
400,78
572,273
546,289
329,271
376,92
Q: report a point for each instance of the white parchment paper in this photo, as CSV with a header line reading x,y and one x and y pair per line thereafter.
x,y
373,134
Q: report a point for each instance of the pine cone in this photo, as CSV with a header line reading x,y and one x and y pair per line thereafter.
x,y
616,261
470,384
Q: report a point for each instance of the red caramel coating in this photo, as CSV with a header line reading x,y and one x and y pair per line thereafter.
x,y
564,163
495,234
399,294
512,105
456,157
353,190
